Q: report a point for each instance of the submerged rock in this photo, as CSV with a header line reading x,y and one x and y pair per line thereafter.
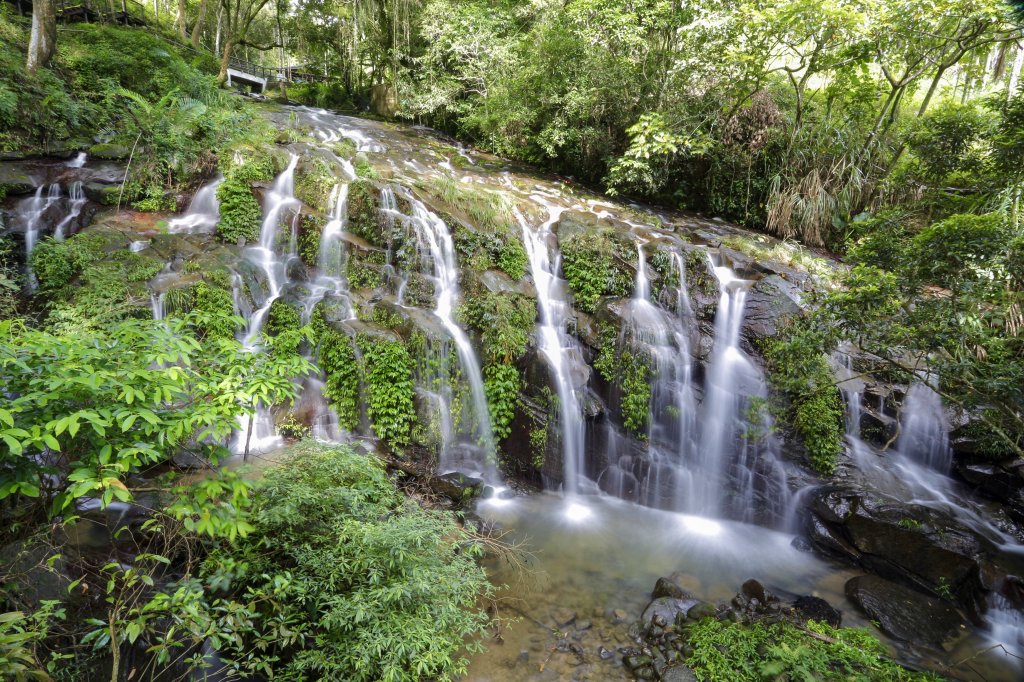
x,y
906,614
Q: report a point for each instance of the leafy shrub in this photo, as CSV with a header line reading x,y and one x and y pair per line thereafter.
x,y
363,218
342,579
240,214
798,370
213,312
501,386
389,383
504,321
588,266
337,358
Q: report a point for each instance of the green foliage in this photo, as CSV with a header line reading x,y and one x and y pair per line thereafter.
x,y
240,213
811,403
118,399
284,326
512,258
336,356
959,249
342,579
389,385
588,268
19,637
310,228
213,312
636,393
363,217
782,651
503,320
501,386
154,198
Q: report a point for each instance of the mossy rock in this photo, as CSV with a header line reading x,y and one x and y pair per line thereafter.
x,y
311,227
364,219
110,150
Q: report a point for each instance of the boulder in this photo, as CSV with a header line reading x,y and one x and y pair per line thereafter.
x,y
678,673
906,614
667,587
769,302
663,610
911,544
816,608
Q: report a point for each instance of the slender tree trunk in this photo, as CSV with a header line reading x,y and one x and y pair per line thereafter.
x,y
197,28
1018,65
43,39
931,91
220,22
182,21
225,61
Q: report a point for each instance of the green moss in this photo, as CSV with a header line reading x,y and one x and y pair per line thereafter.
x,y
538,446
337,358
364,169
389,384
240,214
364,276
806,394
249,164
314,183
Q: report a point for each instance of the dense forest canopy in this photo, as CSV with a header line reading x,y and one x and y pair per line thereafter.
x,y
880,143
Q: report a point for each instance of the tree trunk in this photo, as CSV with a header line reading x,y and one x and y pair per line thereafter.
x,y
1018,64
225,61
43,40
197,28
182,20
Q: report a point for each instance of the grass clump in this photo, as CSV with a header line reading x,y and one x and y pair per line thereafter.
x,y
723,650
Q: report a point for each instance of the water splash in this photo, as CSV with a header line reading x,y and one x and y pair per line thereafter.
x,y
76,195
203,211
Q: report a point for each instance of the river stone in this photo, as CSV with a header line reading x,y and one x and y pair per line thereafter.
x,y
563,617
666,608
678,673
700,611
666,587
816,608
903,613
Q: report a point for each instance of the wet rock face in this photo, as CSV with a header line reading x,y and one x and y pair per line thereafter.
x,y
913,545
906,614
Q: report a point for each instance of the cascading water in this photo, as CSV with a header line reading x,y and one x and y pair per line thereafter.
x,y
78,161
156,304
439,255
77,197
924,431
663,339
279,201
203,211
32,216
555,343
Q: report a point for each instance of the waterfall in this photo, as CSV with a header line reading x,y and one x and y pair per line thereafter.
x,y
555,342
78,161
439,256
32,216
663,340
924,431
77,196
279,200
156,304
203,211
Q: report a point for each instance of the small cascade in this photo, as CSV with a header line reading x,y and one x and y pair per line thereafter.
x,y
438,255
555,342
924,431
78,161
736,468
156,304
331,276
76,194
203,211
31,216
663,340
278,202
